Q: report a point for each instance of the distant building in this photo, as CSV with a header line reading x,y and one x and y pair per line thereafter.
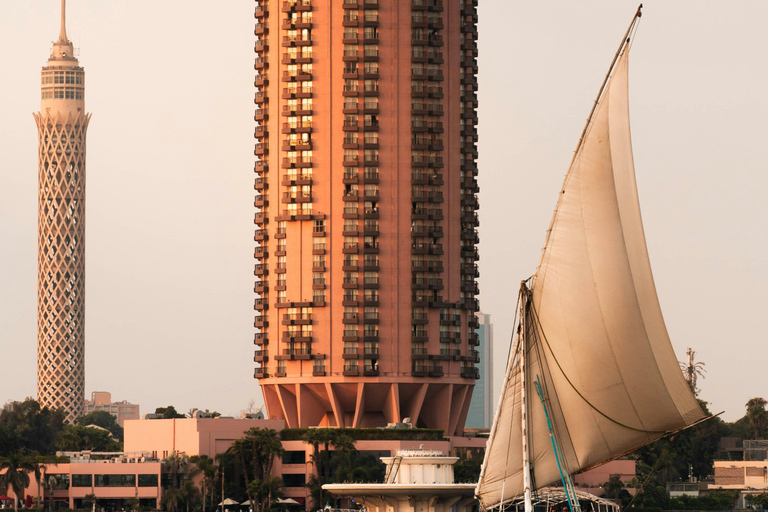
x,y
745,476
482,405
102,401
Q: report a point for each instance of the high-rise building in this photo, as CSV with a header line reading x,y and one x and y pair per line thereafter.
x,y
483,402
366,223
61,127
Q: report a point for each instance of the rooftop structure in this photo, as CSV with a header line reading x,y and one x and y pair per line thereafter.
x,y
61,127
366,224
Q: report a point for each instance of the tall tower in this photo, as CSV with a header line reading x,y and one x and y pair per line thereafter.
x,y
61,127
366,222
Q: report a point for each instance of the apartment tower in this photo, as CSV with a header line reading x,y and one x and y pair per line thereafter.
x,y
366,211
61,127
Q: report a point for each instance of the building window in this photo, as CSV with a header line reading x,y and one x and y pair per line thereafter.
x,y
115,481
298,480
294,457
147,480
82,480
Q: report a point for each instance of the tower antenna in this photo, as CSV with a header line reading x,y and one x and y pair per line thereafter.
x,y
63,32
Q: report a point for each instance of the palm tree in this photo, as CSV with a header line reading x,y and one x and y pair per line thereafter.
x,y
692,370
89,500
39,470
174,465
16,476
207,467
757,415
189,494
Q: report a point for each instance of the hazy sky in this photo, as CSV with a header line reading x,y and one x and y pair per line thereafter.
x,y
170,180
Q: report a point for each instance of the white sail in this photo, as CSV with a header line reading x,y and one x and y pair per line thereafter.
x,y
596,335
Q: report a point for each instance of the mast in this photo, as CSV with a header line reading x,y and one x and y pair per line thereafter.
x,y
624,42
523,354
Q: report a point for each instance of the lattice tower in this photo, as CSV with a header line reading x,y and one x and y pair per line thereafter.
x,y
61,126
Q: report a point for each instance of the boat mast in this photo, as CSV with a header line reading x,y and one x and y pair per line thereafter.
x,y
624,43
522,355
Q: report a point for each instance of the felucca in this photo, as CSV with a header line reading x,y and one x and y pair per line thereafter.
x,y
592,374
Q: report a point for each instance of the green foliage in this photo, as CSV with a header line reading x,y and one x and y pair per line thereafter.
x,y
169,412
29,427
757,416
131,504
255,452
370,434
74,438
102,419
759,501
467,470
715,500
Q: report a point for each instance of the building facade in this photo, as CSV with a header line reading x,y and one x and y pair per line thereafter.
x,y
61,127
366,223
123,410
481,408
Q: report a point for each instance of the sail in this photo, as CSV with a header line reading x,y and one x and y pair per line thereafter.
x,y
592,323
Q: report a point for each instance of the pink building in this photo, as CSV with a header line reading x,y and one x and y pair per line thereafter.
x,y
112,480
193,436
209,436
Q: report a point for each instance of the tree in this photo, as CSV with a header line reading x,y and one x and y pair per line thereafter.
x,y
89,500
757,415
30,427
207,468
176,467
169,412
757,500
75,438
131,504
259,447
38,469
102,419
189,494
16,476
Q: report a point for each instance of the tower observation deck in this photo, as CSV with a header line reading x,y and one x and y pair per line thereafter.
x,y
61,126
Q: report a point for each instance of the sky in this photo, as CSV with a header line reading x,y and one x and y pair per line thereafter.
x,y
169,251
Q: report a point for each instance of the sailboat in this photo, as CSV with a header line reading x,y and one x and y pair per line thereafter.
x,y
592,374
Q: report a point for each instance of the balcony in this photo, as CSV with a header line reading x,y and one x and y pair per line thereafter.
x,y
351,370
470,373
261,355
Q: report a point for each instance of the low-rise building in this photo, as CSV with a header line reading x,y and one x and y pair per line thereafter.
x,y
746,476
111,477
